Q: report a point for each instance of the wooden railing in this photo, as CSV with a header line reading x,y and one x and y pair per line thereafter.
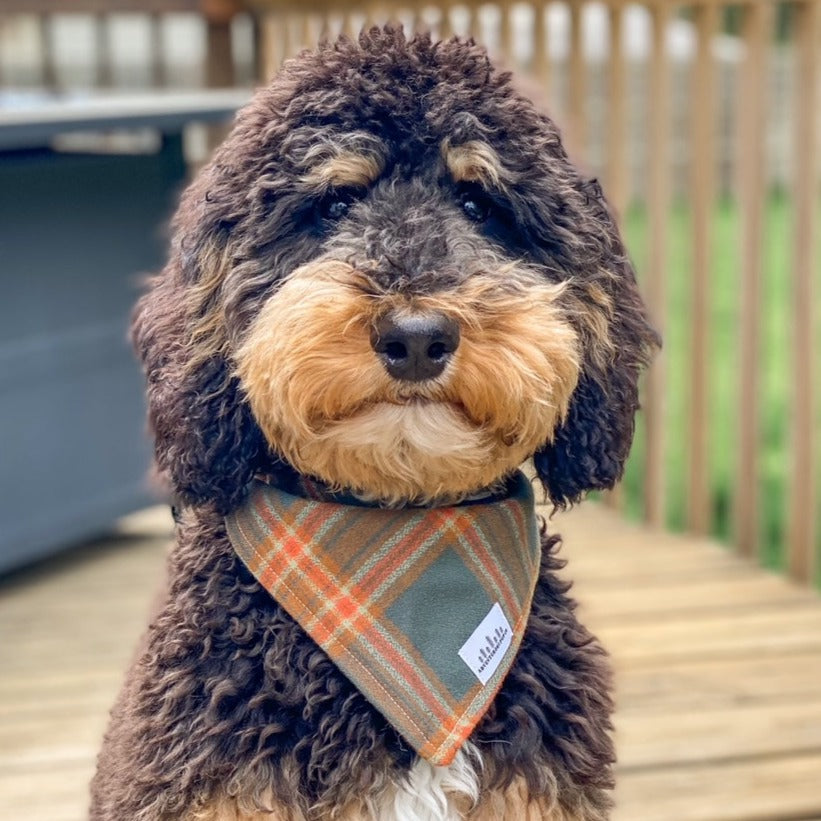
x,y
218,69
702,120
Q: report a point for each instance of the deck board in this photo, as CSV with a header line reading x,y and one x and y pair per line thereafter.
x,y
718,669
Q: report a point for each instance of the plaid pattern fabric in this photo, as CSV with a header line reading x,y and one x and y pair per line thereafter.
x,y
413,605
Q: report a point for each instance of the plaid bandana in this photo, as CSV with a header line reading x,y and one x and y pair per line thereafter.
x,y
423,609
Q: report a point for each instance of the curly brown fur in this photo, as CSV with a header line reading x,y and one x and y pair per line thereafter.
x,y
232,696
231,701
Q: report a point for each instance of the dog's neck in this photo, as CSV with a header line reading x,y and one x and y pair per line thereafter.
x,y
286,478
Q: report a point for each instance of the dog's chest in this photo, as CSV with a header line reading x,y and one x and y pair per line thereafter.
x,y
295,732
429,793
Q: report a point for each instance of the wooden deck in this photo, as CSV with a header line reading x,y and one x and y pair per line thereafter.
x,y
718,666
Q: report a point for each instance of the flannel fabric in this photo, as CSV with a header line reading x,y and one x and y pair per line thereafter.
x,y
423,609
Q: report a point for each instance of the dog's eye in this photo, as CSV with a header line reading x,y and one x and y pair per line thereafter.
x,y
476,204
475,210
336,209
337,203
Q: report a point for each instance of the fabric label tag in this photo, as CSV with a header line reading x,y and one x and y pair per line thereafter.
x,y
486,647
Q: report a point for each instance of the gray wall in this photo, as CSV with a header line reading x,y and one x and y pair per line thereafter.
x,y
76,234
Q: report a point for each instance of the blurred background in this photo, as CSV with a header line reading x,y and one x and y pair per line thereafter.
x,y
700,118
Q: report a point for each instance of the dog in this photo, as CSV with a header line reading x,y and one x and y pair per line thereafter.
x,y
389,289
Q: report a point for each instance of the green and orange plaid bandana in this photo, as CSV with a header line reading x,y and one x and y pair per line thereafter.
x,y
423,609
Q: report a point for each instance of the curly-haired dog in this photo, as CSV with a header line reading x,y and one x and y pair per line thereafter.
x,y
388,289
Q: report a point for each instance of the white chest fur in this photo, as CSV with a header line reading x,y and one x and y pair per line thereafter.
x,y
433,793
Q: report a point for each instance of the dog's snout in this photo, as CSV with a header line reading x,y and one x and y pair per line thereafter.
x,y
414,348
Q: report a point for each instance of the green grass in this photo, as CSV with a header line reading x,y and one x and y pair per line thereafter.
x,y
774,363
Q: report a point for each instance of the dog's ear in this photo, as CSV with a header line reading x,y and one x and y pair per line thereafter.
x,y
186,326
205,441
589,448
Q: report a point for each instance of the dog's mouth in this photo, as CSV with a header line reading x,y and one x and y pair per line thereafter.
x,y
413,401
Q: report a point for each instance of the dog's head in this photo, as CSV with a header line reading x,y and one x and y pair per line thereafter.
x,y
391,277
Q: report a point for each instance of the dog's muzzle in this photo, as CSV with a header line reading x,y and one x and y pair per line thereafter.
x,y
415,348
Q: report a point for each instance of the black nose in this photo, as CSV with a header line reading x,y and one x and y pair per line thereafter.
x,y
414,348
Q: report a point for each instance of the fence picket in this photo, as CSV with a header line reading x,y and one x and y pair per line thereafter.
x,y
159,73
802,515
658,208
540,66
577,83
616,157
751,128
703,154
48,65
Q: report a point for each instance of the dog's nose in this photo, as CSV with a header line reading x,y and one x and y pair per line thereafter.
x,y
414,348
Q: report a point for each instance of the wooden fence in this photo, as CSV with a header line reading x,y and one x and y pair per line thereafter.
x,y
647,85
217,17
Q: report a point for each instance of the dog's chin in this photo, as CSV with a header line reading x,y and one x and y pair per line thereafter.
x,y
419,452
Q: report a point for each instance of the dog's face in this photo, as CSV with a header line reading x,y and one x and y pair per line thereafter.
x,y
391,277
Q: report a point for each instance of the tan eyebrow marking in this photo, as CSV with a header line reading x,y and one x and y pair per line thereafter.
x,y
347,168
475,161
